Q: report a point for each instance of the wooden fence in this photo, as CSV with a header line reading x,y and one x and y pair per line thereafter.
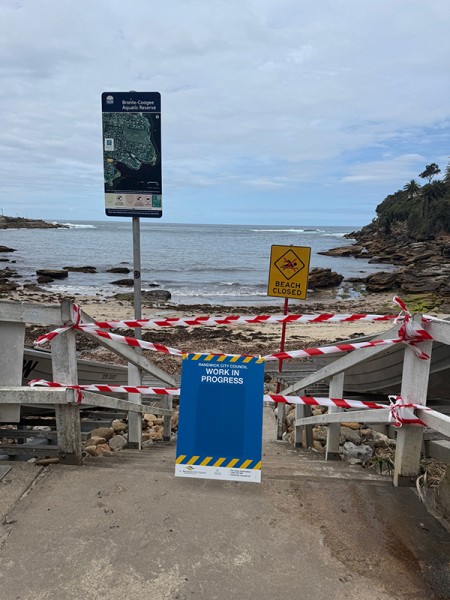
x,y
414,389
14,316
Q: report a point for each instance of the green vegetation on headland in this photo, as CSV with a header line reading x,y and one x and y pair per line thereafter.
x,y
422,211
412,231
23,223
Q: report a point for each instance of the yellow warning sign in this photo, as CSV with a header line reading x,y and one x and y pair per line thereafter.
x,y
289,270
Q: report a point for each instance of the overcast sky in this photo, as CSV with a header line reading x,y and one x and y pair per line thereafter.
x,y
273,111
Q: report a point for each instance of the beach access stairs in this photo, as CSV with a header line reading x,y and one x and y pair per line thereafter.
x,y
68,407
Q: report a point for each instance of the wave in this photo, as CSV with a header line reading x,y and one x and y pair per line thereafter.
x,y
340,235
76,226
287,230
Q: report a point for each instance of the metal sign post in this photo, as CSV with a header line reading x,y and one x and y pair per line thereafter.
x,y
288,278
133,188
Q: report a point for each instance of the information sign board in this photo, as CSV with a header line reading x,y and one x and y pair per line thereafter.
x,y
289,270
132,154
220,422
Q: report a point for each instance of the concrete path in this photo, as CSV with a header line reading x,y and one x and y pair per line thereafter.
x,y
124,528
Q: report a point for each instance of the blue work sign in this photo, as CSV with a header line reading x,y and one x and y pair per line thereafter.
x,y
220,423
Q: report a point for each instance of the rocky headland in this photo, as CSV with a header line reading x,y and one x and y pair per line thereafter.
x,y
423,266
23,223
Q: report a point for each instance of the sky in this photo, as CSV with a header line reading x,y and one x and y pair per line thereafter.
x,y
273,111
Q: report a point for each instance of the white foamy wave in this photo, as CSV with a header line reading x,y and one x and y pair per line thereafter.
x,y
77,225
340,235
287,230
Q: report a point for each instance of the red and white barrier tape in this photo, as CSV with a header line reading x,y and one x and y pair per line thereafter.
x,y
401,411
237,320
409,333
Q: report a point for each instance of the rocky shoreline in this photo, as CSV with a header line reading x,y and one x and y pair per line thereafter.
x,y
23,223
424,264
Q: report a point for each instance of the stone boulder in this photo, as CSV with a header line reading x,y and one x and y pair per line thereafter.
x,y
124,282
53,273
118,442
104,432
356,454
156,296
381,282
86,269
323,278
120,270
6,249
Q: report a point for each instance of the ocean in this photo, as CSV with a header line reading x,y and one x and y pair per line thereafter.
x,y
218,264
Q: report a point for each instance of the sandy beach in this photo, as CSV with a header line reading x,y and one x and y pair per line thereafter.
x,y
234,339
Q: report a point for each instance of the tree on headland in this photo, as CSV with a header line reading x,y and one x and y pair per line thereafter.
x,y
412,188
430,171
419,212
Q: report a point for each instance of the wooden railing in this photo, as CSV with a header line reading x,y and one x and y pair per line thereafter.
x,y
14,316
413,389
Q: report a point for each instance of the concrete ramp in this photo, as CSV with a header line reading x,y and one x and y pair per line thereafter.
x,y
125,527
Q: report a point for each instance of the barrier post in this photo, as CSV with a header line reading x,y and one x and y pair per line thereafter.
x,y
281,407
64,366
334,429
12,337
414,389
299,414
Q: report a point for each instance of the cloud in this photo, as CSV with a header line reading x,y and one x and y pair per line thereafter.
x,y
278,94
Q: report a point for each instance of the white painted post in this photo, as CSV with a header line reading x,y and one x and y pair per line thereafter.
x,y
409,437
64,365
167,432
299,414
134,418
334,429
12,338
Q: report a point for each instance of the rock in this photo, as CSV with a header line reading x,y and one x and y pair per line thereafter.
x,y
91,450
289,419
102,449
23,223
159,421
8,286
380,440
43,279
350,435
356,453
323,278
351,425
318,446
53,273
123,270
148,443
105,432
320,433
381,282
146,436
118,426
124,282
6,249
118,442
95,440
156,296
81,269
156,434
150,418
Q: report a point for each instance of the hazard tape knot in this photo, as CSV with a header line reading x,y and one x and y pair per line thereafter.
x,y
402,412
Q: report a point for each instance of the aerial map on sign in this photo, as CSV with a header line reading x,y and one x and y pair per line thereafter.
x,y
131,145
132,154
